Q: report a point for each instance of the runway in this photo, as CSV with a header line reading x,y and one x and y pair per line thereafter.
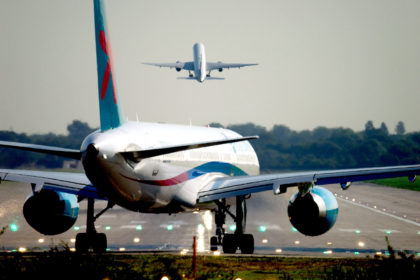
x,y
367,214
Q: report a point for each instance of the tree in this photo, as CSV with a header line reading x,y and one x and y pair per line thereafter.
x,y
369,126
384,128
216,124
400,128
78,131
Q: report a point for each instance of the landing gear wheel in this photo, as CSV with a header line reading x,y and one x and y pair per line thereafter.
x,y
96,241
99,243
92,239
246,243
213,243
229,244
82,243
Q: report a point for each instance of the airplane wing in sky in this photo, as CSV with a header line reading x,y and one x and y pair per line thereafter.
x,y
220,65
234,186
177,65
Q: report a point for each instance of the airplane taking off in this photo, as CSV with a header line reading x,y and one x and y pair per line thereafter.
x,y
162,168
200,66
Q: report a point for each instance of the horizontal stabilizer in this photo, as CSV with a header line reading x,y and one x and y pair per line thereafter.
x,y
138,155
186,78
68,153
214,78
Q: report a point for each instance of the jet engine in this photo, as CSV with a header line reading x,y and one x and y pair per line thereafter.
x,y
178,68
50,212
220,69
313,213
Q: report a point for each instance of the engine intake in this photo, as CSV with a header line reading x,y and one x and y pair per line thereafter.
x,y
313,213
50,212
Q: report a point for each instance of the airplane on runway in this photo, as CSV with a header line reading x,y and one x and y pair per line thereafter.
x,y
163,168
200,66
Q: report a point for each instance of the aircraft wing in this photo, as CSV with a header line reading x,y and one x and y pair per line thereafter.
x,y
242,185
69,153
74,183
220,65
142,154
179,65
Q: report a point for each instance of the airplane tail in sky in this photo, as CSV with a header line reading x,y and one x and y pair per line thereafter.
x,y
109,104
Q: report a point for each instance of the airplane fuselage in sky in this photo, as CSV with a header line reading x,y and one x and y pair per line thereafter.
x,y
199,69
199,62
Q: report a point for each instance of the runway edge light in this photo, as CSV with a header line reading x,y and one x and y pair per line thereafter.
x,y
14,227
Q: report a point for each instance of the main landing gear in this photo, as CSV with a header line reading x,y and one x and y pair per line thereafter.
x,y
90,238
231,242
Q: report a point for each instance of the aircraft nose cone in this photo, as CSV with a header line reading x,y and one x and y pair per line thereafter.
x,y
92,150
90,153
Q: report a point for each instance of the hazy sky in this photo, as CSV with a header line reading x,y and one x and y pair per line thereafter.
x,y
330,63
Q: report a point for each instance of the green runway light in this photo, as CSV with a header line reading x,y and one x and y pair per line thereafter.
x,y
232,227
139,227
107,228
357,231
388,232
262,229
76,228
356,253
170,227
14,227
294,229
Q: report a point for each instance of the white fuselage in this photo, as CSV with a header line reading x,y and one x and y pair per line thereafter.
x,y
200,63
168,183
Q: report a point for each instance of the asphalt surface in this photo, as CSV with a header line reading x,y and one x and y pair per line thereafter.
x,y
367,214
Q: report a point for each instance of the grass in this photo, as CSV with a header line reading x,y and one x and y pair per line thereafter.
x,y
61,263
401,183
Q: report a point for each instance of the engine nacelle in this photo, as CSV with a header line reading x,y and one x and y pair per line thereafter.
x,y
50,212
178,68
313,213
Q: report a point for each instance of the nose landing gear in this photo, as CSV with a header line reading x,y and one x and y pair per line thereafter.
x,y
231,242
90,238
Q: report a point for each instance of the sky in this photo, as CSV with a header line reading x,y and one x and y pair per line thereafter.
x,y
321,63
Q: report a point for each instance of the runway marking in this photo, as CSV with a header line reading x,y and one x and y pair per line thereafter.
x,y
128,226
138,222
350,230
108,216
380,212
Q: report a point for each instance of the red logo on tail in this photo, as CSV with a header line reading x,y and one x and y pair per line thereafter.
x,y
106,49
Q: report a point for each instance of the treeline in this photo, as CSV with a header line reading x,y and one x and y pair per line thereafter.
x,y
282,148
279,148
11,158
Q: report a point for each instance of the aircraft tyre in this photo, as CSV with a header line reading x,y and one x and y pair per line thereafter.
x,y
246,243
213,243
96,241
82,243
229,244
99,243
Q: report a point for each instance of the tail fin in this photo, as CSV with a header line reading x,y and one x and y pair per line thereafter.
x,y
109,105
